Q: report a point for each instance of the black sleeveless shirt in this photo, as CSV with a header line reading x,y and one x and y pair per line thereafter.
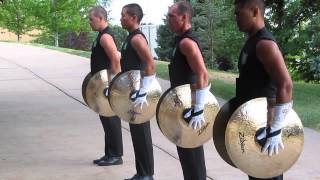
x,y
254,81
99,59
130,59
179,70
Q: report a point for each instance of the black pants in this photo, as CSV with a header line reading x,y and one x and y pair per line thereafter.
x,y
113,136
192,163
143,150
274,178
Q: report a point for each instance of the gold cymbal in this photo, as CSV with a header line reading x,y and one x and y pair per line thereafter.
x,y
172,124
94,93
220,126
245,151
84,86
119,95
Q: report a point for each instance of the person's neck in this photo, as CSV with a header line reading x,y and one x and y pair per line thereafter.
x,y
103,26
257,27
133,28
184,29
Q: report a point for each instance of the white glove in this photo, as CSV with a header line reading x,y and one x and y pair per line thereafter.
x,y
196,113
273,134
106,90
139,97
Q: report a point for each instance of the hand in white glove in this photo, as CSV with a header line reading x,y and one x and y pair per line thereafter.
x,y
273,134
195,115
139,97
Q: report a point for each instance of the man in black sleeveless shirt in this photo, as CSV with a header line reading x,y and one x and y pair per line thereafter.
x,y
105,56
187,67
262,72
136,55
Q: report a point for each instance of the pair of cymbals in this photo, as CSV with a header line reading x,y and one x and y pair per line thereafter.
x,y
118,101
120,90
234,134
170,119
93,93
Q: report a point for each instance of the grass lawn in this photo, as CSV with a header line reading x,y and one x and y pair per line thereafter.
x,y
306,97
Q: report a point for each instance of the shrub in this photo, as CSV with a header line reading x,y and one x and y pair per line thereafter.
x,y
307,69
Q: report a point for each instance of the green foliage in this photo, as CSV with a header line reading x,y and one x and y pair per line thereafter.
x,y
56,17
296,25
226,37
165,40
203,24
220,40
61,16
120,35
305,69
17,16
44,38
288,20
65,23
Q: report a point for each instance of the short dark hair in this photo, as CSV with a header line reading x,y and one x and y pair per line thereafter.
x,y
185,7
260,3
134,9
99,11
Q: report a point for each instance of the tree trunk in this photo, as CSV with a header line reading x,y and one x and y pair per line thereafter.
x,y
56,39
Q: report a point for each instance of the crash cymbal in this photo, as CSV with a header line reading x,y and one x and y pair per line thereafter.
x,y
172,124
220,126
94,93
84,86
245,151
119,95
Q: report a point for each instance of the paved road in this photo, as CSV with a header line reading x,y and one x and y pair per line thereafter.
x,y
47,133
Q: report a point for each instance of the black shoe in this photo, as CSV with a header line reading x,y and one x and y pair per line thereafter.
x,y
109,161
100,159
138,177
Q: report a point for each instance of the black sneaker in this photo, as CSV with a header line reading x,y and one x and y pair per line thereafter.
x,y
109,161
138,177
100,159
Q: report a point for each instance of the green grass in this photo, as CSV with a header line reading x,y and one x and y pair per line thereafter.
x,y
162,69
306,96
223,89
306,101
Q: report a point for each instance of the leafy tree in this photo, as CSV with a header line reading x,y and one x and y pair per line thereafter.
x,y
56,16
288,21
296,26
16,16
165,40
119,34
